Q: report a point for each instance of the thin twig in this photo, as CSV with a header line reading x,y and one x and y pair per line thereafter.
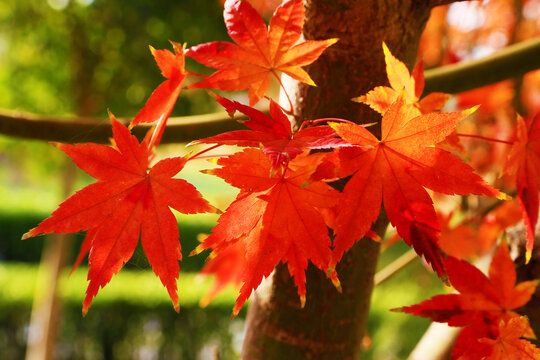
x,y
485,138
394,267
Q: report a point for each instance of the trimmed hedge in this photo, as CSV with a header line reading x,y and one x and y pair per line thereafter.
x,y
13,225
130,316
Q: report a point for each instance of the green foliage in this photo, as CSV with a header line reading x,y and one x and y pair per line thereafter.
x,y
139,288
136,301
87,56
13,249
133,313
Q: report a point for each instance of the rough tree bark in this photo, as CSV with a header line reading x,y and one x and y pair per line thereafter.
x,y
47,308
525,272
331,326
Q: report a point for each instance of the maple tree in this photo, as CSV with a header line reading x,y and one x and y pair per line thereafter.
x,y
291,209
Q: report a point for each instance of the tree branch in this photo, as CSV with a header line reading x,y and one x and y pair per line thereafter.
x,y
512,61
66,130
508,63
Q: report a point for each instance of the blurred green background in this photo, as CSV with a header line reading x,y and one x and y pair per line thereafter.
x,y
70,58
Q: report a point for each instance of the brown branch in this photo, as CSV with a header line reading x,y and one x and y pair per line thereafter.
x,y
434,3
71,130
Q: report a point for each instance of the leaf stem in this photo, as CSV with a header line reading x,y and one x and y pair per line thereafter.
x,y
197,155
290,112
318,121
158,131
196,74
485,138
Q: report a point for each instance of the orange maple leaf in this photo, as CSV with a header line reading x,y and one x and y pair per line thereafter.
x,y
381,97
509,344
458,241
260,51
276,216
130,199
395,170
524,162
492,97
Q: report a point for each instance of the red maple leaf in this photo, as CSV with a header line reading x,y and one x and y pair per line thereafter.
x,y
381,97
524,162
482,302
160,104
276,216
395,171
273,133
260,51
130,199
162,100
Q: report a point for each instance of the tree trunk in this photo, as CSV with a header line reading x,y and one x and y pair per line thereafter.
x,y
47,307
525,272
331,326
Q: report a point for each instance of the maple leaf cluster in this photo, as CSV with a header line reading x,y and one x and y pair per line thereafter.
x,y
287,205
132,199
485,308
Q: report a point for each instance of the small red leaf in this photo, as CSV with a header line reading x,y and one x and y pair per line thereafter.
x,y
524,163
